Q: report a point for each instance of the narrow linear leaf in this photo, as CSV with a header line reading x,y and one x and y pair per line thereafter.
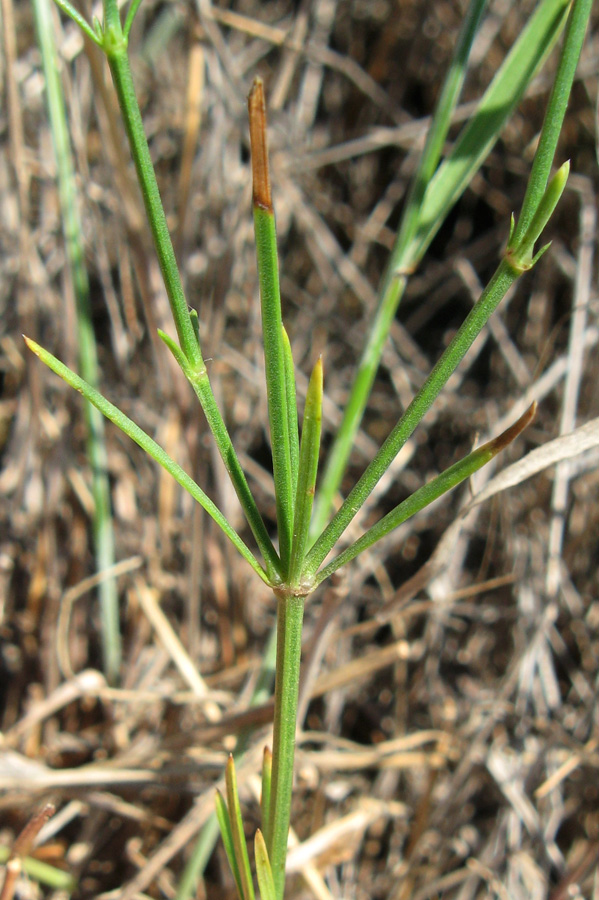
x,y
421,498
150,446
521,251
239,843
291,409
308,467
272,325
505,275
101,519
263,869
266,783
224,822
131,13
175,349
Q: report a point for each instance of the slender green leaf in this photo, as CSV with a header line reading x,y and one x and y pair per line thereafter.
x,y
425,495
239,842
69,10
520,251
554,115
308,467
131,13
263,869
151,447
224,821
266,783
272,325
291,410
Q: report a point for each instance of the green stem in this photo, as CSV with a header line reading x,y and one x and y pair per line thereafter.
x,y
203,390
195,370
290,614
115,45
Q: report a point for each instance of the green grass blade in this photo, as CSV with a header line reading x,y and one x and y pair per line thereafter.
x,y
266,784
291,410
306,481
425,495
437,134
239,842
151,448
102,525
204,846
263,869
224,822
272,325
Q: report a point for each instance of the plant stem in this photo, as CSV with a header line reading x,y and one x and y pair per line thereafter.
x,y
115,45
290,613
195,371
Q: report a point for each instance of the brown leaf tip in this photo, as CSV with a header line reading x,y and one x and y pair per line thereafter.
x,y
258,144
510,434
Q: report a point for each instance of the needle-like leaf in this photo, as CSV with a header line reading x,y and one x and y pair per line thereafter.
x,y
150,446
266,782
239,843
444,482
263,869
308,466
224,822
272,325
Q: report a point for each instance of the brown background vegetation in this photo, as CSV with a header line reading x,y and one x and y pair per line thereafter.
x,y
448,745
